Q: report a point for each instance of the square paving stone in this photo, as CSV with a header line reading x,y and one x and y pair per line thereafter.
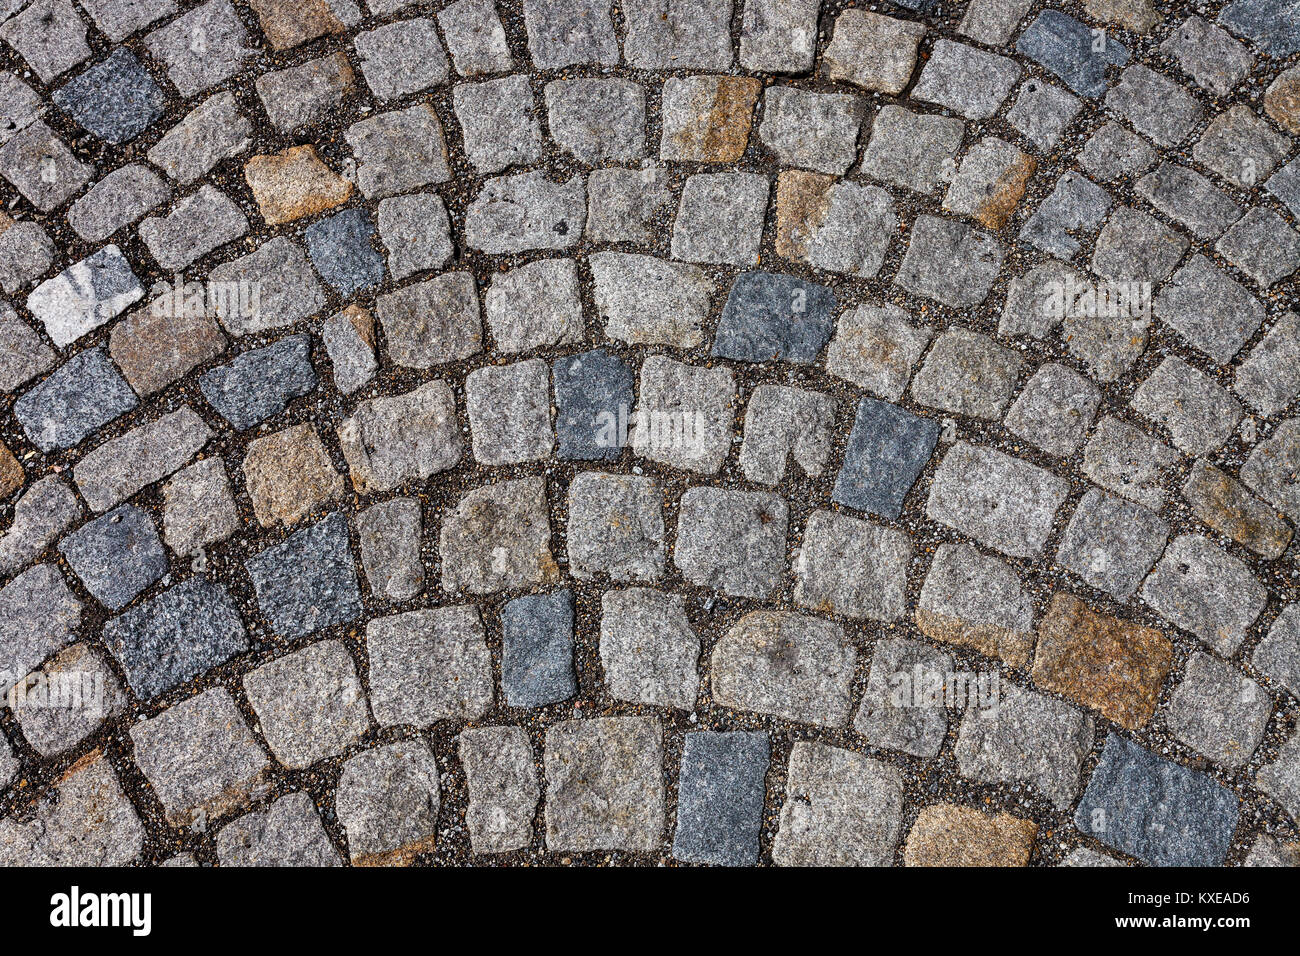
x,y
309,704
402,57
509,410
966,80
570,32
41,167
787,665
41,514
288,475
1065,46
200,757
1112,543
1268,23
537,649
876,347
720,797
222,53
432,322
1209,55
118,19
949,835
535,305
343,252
903,706
308,582
209,133
1277,656
616,527
387,802
871,51
498,538
778,36
116,99
949,262
198,507
307,94
967,374
289,832
1136,247
817,131
688,34
86,820
501,777
852,568
841,809
196,225
706,119
1262,245
732,541
26,249
647,301
1113,666
389,536
116,556
604,785
416,232
720,219
990,182
293,184
1189,198
1284,184
49,35
182,633
287,290
65,701
597,120
1156,106
429,665
85,295
1281,778
1002,502
260,383
648,649
975,600
1224,504
1054,410
1241,147
1271,468
593,403
77,399
1026,737
888,449
1156,810
399,151
1199,413
38,615
1068,217
1129,462
392,440
1211,311
1042,112
912,150
476,38
526,211
1219,711
625,205
774,317
781,423
1113,152
499,123
685,415
1203,589
833,225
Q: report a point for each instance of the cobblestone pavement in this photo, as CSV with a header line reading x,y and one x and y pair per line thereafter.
x,y
573,432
